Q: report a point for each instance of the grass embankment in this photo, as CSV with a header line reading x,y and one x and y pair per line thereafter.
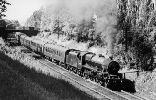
x,y
18,82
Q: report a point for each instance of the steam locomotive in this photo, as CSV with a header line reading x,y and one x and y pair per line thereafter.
x,y
86,64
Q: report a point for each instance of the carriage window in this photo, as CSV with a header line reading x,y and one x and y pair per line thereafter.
x,y
55,51
51,50
59,53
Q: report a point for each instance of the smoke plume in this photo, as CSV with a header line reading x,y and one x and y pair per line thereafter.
x,y
105,10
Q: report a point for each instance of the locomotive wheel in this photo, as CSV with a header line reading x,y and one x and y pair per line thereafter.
x,y
81,74
96,80
77,71
67,67
74,70
86,76
71,68
105,83
91,78
100,82
51,60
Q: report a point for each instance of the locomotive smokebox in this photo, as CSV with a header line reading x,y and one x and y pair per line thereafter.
x,y
113,67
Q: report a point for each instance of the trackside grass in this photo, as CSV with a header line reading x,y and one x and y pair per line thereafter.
x,y
19,82
13,86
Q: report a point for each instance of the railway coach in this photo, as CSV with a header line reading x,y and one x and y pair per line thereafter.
x,y
22,39
18,35
55,52
27,41
37,45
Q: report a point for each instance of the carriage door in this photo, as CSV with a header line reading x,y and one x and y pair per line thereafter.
x,y
79,61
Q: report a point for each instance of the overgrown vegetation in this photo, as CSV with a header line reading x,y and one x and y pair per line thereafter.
x,y
3,7
134,22
15,87
45,85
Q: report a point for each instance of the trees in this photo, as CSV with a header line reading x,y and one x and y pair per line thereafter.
x,y
35,19
133,20
3,8
58,26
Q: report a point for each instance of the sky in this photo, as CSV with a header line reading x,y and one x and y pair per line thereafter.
x,y
22,9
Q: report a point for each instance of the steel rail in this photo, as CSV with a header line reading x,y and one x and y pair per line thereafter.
x,y
76,81
87,81
137,97
101,86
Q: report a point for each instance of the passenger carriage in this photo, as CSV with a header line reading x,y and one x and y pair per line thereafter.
x,y
27,41
37,45
22,39
56,52
18,35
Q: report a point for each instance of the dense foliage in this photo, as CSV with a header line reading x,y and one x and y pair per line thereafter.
x,y
3,8
133,20
35,19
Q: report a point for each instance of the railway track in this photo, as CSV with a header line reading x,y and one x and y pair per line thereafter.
x,y
105,93
132,96
99,92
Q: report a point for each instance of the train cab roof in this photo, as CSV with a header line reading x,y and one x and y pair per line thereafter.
x,y
23,36
56,47
38,41
50,41
28,38
19,33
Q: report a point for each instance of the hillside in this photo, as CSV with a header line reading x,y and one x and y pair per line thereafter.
x,y
21,77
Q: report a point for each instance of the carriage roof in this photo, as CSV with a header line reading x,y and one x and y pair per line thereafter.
x,y
28,38
56,47
38,41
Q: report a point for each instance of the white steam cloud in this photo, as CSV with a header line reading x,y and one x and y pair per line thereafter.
x,y
105,10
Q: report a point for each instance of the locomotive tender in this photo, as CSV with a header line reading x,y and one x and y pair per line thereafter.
x,y
86,64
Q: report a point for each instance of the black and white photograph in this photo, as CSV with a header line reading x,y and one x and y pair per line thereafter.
x,y
77,49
